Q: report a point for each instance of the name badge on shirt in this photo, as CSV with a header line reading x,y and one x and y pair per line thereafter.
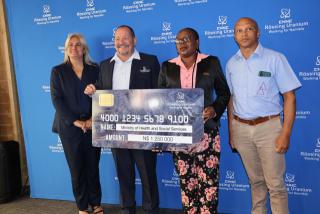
x,y
144,69
264,74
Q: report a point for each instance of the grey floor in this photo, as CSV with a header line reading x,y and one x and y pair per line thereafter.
x,y
26,205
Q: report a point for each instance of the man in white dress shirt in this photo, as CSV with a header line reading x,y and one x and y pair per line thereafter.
x,y
129,69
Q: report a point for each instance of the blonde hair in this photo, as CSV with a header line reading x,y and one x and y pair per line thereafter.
x,y
86,56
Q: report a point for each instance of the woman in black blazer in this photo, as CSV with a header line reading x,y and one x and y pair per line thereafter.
x,y
73,123
198,166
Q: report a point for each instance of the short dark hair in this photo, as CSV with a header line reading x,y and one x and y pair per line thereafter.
x,y
194,33
129,28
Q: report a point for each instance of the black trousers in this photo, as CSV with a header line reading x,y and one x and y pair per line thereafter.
x,y
146,161
83,161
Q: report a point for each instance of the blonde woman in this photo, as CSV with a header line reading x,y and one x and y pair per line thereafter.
x,y
73,121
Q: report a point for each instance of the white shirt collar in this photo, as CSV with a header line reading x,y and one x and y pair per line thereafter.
x,y
258,52
135,55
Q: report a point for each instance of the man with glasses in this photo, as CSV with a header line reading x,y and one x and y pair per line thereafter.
x,y
257,78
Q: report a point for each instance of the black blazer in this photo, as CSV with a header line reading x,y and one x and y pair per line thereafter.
x,y
209,77
63,95
144,73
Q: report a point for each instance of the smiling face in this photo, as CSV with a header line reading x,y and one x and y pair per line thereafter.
x,y
246,33
186,44
75,49
124,43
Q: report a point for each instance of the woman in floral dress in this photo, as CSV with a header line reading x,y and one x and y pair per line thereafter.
x,y
198,166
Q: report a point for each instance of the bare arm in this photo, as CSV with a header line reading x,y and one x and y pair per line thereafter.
x,y
289,111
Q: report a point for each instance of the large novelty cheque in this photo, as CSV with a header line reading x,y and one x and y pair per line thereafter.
x,y
161,119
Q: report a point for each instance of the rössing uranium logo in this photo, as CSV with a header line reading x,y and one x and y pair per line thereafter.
x,y
222,30
166,26
46,9
166,36
110,43
139,6
222,20
137,180
317,149
230,174
61,49
91,12
318,60
47,17
114,32
302,114
46,88
312,75
318,143
230,183
314,154
180,96
285,13
293,188
90,3
172,181
286,24
289,178
105,150
57,146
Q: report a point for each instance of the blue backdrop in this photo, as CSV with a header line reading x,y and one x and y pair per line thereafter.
x,y
38,29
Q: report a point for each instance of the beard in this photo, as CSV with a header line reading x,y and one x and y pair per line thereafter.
x,y
124,50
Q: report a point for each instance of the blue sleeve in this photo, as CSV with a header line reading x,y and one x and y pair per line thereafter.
x,y
228,77
285,76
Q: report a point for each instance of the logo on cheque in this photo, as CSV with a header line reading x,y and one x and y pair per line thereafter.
x,y
180,96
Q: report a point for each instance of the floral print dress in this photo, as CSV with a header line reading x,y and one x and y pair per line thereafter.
x,y
199,176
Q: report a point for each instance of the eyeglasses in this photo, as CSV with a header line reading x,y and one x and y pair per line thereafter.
x,y
183,40
76,45
246,30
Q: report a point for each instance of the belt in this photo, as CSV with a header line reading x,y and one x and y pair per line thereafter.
x,y
255,121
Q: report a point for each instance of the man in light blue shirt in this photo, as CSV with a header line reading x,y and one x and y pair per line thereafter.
x,y
257,78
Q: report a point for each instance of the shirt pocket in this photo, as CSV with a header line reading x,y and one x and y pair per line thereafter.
x,y
260,86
